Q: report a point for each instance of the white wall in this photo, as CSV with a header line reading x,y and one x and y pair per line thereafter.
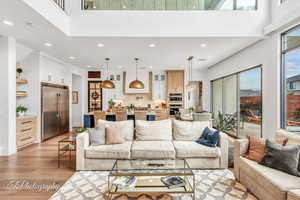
x,y
8,96
77,109
283,15
267,53
168,23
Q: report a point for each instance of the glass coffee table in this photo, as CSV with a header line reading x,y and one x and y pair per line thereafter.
x,y
151,177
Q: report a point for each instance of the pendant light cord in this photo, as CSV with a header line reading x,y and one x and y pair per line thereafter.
x,y
136,68
107,61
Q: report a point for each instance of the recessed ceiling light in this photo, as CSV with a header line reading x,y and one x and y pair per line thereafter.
x,y
202,59
47,44
89,66
203,45
100,45
72,57
152,45
150,67
120,67
9,23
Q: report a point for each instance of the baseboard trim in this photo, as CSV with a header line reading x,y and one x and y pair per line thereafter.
x,y
3,151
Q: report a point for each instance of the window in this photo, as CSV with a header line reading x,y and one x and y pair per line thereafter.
x,y
290,118
237,100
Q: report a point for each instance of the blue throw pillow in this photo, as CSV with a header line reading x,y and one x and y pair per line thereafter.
x,y
209,138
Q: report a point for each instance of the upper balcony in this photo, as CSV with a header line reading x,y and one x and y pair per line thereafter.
x,y
169,5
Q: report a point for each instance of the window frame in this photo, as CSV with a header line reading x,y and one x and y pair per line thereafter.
x,y
237,74
283,84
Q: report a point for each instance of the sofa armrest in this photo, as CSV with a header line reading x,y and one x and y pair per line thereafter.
x,y
240,148
223,144
82,141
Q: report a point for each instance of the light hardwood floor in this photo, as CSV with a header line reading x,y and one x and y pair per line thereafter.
x,y
36,164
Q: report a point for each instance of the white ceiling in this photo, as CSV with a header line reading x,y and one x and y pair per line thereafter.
x,y
169,53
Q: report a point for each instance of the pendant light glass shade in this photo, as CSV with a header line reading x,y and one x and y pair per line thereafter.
x,y
136,84
108,84
191,84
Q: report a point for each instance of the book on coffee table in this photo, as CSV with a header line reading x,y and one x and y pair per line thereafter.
x,y
173,181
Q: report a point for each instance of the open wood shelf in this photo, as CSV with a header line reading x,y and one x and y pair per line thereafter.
x,y
21,94
22,81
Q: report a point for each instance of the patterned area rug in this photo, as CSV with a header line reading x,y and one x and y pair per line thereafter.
x,y
210,185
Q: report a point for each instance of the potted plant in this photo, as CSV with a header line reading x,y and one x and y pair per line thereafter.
x,y
19,71
21,110
192,109
111,105
130,108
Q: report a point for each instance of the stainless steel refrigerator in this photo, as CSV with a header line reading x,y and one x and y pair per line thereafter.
x,y
55,110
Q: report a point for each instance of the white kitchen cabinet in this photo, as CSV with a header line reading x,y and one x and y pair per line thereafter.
x,y
159,85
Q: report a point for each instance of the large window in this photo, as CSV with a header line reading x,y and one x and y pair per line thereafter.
x,y
291,80
237,102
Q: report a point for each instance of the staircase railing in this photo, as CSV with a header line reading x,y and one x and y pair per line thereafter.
x,y
60,3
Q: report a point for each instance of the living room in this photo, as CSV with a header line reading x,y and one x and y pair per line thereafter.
x,y
146,100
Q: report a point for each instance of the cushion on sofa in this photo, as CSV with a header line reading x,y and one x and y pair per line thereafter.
x,y
191,149
125,127
152,150
114,151
188,131
209,137
97,135
271,179
282,158
153,130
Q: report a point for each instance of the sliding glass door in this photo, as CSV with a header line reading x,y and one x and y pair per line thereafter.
x,y
250,103
237,103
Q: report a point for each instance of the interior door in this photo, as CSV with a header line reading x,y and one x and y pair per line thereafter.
x,y
64,110
50,114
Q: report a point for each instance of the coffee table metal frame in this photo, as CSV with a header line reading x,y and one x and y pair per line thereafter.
x,y
150,171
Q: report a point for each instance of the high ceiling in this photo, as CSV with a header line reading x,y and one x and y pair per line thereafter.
x,y
34,31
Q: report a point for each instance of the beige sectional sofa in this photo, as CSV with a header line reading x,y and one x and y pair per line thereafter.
x,y
264,182
154,141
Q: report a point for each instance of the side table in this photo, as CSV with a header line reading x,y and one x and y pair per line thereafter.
x,y
66,145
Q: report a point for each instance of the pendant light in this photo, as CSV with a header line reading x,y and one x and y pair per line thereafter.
x,y
108,84
191,84
136,84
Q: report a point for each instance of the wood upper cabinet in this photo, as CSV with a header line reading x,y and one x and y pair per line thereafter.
x,y
175,81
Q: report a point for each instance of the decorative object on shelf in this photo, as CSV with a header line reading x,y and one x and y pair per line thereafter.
x,y
111,105
21,110
74,97
108,84
136,84
19,71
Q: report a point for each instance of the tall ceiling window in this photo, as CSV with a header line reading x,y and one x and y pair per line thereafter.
x,y
237,103
291,80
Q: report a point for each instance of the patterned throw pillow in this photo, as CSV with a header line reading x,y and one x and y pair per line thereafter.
x,y
209,138
285,159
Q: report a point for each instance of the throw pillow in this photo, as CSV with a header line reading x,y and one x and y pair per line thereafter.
x,y
97,135
285,159
209,138
257,148
114,136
